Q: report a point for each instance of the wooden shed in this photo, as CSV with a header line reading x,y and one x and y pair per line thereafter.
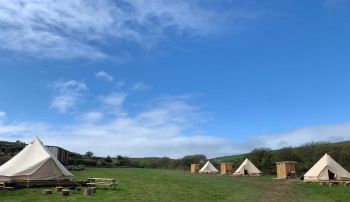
x,y
61,154
286,169
194,168
226,168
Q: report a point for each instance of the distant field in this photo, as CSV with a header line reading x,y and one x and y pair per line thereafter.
x,y
169,185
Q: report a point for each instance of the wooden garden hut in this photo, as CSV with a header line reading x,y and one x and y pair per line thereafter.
x,y
194,168
286,169
226,168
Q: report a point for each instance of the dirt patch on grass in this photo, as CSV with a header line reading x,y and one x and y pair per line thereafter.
x,y
276,190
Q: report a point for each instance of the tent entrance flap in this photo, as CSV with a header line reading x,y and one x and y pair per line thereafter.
x,y
327,174
331,176
324,174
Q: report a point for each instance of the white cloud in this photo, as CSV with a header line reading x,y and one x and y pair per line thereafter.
x,y
156,131
114,102
104,76
170,109
298,136
80,28
91,116
163,129
67,95
139,86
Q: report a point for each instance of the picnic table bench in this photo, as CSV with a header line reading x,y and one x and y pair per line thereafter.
x,y
94,182
334,183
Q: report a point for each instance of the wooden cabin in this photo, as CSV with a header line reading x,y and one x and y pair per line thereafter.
x,y
226,168
194,168
286,169
61,154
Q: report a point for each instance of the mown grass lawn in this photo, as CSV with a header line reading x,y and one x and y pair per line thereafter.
x,y
149,185
172,185
315,192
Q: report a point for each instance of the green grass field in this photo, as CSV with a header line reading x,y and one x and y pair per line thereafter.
x,y
171,185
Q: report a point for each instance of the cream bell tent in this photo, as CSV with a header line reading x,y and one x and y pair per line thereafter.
x,y
326,169
33,163
247,168
208,168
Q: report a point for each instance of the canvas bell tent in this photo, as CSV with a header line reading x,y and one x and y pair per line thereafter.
x,y
208,168
33,163
326,169
247,168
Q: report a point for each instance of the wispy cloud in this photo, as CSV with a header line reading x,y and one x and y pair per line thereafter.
x,y
67,95
298,136
158,130
92,116
139,86
332,3
120,84
2,116
104,76
114,102
295,137
81,28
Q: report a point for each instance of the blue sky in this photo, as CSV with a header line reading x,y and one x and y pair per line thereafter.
x,y
171,78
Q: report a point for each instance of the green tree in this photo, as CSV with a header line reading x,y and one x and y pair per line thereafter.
x,y
188,160
108,159
89,154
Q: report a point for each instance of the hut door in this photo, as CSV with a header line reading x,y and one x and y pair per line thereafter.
x,y
246,172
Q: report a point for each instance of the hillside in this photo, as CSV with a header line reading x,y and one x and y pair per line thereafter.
x,y
9,149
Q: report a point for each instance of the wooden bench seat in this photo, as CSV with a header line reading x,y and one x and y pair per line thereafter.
x,y
92,184
8,188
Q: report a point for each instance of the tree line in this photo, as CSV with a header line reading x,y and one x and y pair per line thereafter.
x,y
148,162
305,156
264,158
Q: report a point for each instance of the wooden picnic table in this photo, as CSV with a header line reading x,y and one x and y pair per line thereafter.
x,y
110,182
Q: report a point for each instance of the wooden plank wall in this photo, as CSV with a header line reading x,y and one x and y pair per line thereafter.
x,y
283,168
226,168
194,168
